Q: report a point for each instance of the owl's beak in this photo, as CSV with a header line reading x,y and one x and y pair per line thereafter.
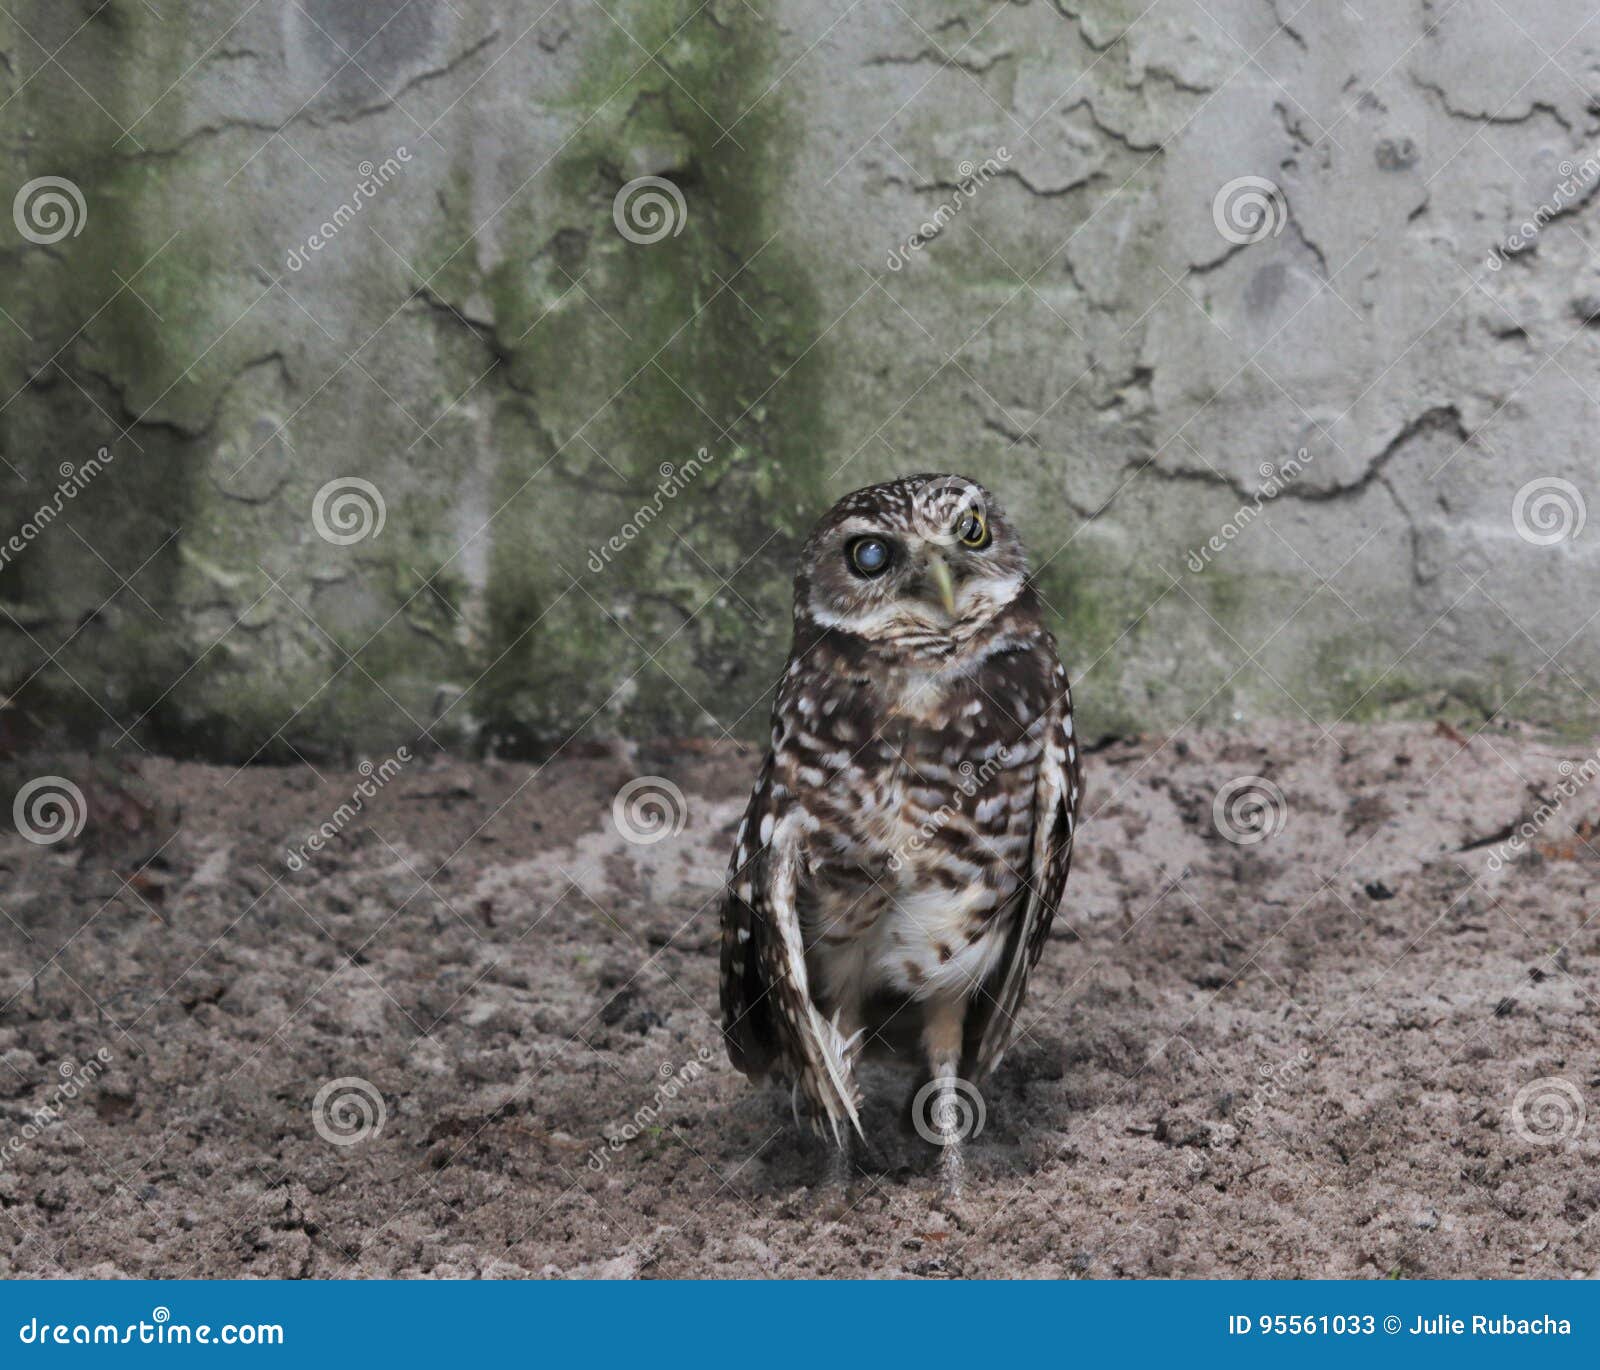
x,y
943,582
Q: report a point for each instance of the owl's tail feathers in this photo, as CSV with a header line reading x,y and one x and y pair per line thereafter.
x,y
826,1073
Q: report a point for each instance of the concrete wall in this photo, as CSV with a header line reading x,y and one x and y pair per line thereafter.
x,y
1101,329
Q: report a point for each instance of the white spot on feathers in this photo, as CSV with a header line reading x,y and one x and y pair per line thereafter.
x,y
989,809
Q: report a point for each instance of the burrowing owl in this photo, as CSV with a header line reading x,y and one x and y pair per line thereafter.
x,y
907,843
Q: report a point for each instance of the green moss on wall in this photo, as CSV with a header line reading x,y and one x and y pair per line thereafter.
x,y
626,361
105,325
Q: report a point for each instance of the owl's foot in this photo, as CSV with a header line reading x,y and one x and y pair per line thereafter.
x,y
933,1112
946,1110
952,1168
841,1165
837,1188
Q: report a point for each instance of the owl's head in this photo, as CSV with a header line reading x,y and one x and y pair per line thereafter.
x,y
914,561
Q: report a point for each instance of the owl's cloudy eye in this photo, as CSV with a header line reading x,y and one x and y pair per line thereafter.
x,y
973,529
869,556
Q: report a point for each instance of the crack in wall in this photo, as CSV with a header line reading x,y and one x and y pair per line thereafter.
x,y
311,119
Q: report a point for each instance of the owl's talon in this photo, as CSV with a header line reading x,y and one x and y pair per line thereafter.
x,y
952,1170
841,1166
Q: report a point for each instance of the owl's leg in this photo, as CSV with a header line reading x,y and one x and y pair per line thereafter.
x,y
842,1163
942,1113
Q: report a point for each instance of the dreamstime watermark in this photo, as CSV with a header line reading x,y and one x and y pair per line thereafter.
x,y
1248,209
1274,480
373,179
159,1330
648,809
941,508
1576,182
973,778
348,510
648,209
49,209
49,809
674,481
75,1077
1548,510
673,1080
970,180
348,1110
74,481
1574,777
1548,1111
374,778
1249,809
948,1110
1271,1081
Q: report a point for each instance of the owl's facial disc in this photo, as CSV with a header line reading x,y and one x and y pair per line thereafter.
x,y
886,582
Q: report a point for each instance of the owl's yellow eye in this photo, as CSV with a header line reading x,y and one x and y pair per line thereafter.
x,y
973,530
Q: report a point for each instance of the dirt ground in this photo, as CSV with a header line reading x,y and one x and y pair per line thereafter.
x,y
1349,1049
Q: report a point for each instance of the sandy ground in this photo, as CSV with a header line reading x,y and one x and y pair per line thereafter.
x,y
1349,1049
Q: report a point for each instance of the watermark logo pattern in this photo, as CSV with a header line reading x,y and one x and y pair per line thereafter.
x,y
1248,209
1249,809
1548,1111
648,209
348,1110
1548,510
49,809
49,209
348,510
948,1111
648,810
